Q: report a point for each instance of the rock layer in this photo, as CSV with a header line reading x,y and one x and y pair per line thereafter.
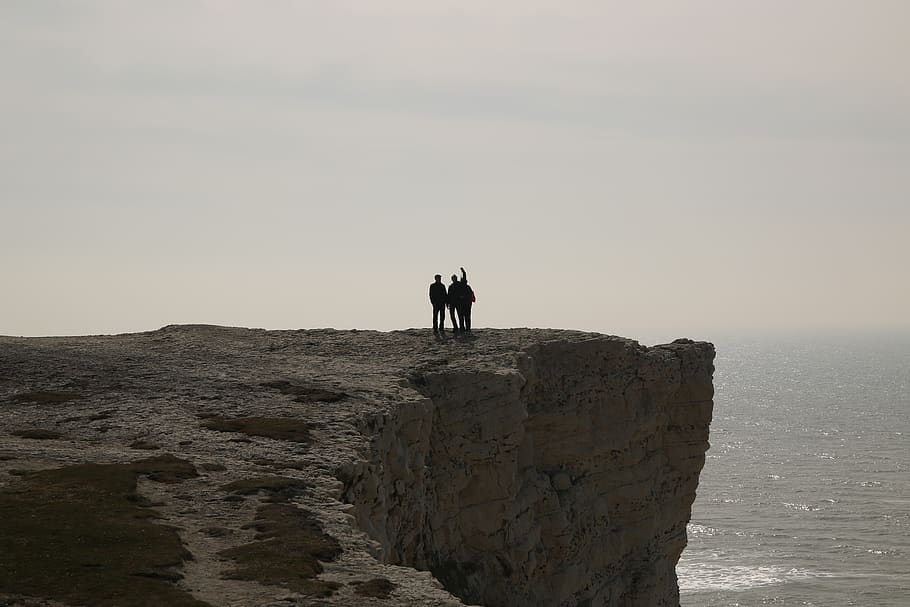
x,y
565,480
510,467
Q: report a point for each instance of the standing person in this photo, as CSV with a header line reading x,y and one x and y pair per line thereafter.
x,y
438,297
453,298
467,301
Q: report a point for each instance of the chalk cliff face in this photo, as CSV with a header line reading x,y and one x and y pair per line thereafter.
x,y
519,467
566,479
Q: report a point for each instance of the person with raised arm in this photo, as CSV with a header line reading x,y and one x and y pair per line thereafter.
x,y
467,301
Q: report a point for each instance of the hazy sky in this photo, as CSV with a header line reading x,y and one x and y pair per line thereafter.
x,y
685,167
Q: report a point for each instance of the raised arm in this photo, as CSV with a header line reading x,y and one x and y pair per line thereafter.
x,y
464,276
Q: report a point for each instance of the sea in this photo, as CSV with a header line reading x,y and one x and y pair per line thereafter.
x,y
805,494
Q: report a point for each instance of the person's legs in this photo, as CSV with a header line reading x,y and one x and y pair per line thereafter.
x,y
467,316
454,320
439,317
461,318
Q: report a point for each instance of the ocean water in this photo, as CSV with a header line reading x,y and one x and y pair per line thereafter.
x,y
805,495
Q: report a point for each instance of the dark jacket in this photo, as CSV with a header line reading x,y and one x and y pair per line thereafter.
x,y
437,293
456,294
467,297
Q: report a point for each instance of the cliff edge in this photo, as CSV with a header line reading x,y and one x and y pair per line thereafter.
x,y
517,467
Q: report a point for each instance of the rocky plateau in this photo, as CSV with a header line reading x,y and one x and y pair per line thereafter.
x,y
213,466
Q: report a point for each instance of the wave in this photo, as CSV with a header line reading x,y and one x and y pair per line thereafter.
x,y
700,577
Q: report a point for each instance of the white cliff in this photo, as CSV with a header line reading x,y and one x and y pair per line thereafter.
x,y
565,480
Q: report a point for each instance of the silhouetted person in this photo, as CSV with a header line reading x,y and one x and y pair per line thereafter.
x,y
467,301
453,298
438,298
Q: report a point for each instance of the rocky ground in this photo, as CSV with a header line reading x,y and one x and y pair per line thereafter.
x,y
235,439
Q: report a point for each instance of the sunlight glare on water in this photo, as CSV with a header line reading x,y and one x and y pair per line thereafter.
x,y
805,495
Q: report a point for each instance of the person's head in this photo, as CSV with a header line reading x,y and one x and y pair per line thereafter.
x,y
438,277
454,278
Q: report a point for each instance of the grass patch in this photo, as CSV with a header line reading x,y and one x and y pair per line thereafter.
x,y
279,428
278,465
305,394
378,588
164,469
279,488
143,445
290,543
81,535
37,434
47,397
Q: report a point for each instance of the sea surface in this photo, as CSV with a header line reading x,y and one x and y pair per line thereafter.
x,y
805,495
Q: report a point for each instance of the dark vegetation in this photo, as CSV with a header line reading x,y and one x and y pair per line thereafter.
x,y
379,588
82,535
289,541
37,433
278,465
144,445
213,467
280,428
278,488
46,397
305,394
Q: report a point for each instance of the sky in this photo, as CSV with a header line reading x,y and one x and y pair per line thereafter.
x,y
656,168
